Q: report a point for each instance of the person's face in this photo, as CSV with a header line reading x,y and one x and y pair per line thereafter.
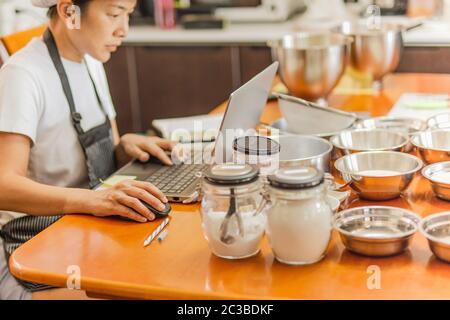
x,y
104,24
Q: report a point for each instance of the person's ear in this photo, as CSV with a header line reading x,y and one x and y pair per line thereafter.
x,y
70,13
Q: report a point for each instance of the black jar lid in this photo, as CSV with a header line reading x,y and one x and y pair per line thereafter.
x,y
256,145
296,178
231,174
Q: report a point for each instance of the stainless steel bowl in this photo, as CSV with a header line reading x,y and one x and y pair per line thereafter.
x,y
360,140
378,175
404,125
311,63
439,176
436,228
376,231
303,150
439,121
300,117
433,146
375,52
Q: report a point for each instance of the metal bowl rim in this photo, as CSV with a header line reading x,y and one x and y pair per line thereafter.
x,y
423,125
319,135
433,117
346,40
401,154
429,236
370,239
387,27
417,134
404,136
426,175
330,146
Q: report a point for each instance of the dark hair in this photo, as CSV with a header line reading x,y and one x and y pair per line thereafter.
x,y
81,3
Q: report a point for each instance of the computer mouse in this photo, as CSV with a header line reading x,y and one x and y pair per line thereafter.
x,y
158,214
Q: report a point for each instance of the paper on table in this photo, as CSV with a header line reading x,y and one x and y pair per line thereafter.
x,y
111,181
420,105
189,129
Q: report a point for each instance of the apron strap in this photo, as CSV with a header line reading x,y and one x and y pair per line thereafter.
x,y
54,54
96,91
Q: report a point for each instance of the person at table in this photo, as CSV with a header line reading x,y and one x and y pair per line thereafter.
x,y
58,134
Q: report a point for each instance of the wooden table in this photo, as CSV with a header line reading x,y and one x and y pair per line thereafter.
x,y
113,262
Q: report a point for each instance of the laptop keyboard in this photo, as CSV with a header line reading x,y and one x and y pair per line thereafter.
x,y
175,179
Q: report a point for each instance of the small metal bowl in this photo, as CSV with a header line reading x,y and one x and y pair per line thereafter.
x,y
378,175
439,176
436,228
376,231
305,151
439,121
404,125
359,140
433,146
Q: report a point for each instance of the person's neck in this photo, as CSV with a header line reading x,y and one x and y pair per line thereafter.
x,y
66,47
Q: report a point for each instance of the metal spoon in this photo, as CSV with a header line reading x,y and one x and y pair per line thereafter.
x,y
224,236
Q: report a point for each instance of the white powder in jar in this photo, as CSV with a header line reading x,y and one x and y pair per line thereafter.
x,y
242,247
299,231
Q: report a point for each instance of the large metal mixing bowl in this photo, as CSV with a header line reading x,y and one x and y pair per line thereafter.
x,y
311,63
376,51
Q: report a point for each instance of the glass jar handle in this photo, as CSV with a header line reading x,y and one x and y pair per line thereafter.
x,y
264,202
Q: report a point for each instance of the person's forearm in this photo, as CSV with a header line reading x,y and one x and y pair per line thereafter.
x,y
20,194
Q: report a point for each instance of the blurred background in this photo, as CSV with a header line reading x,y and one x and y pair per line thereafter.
x,y
184,57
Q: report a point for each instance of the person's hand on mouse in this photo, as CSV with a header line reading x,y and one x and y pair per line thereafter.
x,y
142,147
124,199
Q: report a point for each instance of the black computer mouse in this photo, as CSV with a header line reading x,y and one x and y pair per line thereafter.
x,y
157,213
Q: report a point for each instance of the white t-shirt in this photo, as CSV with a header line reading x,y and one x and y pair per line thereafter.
x,y
32,103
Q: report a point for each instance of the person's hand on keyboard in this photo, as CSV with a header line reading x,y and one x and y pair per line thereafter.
x,y
126,199
142,147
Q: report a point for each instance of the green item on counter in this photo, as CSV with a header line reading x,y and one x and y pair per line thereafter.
x,y
437,104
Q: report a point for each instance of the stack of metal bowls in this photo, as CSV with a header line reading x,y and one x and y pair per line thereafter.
x,y
374,51
311,63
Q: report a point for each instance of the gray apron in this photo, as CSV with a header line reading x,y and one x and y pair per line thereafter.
x,y
98,147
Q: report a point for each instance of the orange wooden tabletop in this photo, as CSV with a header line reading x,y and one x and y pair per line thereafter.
x,y
113,262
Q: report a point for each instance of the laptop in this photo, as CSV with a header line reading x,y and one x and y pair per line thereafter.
x,y
180,182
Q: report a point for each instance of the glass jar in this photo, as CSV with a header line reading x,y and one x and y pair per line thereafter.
x,y
231,221
299,219
260,151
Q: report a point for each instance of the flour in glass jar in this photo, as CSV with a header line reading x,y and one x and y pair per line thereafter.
x,y
245,246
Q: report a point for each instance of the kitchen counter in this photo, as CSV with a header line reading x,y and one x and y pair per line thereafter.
x,y
433,33
114,264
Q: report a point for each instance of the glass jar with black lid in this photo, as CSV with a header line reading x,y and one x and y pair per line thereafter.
x,y
299,218
231,221
263,152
